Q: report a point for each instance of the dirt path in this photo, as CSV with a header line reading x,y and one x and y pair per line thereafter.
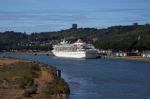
x,y
45,76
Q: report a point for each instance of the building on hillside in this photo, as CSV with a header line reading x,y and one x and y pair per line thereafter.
x,y
120,54
74,26
146,54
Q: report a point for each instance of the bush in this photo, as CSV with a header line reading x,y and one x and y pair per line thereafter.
x,y
58,86
27,93
34,70
30,91
25,81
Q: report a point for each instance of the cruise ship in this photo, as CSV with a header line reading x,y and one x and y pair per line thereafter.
x,y
78,49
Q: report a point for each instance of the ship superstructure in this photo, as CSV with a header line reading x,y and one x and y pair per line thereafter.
x,y
75,50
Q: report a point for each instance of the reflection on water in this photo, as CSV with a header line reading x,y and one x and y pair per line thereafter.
x,y
100,79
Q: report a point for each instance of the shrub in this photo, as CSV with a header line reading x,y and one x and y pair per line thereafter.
x,y
25,81
58,86
30,91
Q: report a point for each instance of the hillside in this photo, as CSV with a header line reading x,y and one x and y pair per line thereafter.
x,y
131,37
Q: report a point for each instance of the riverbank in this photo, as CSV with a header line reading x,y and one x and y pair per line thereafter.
x,y
22,79
32,52
49,53
134,58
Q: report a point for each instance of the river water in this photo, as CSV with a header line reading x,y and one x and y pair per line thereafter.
x,y
100,78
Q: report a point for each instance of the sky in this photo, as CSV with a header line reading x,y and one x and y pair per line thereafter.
x,y
54,15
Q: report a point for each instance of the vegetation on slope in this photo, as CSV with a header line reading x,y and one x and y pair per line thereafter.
x,y
20,79
130,37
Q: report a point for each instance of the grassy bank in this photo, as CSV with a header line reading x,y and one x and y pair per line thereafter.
x,y
21,79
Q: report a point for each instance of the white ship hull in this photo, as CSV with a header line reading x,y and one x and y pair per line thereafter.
x,y
81,54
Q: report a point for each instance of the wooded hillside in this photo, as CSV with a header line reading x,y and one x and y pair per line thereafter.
x,y
129,37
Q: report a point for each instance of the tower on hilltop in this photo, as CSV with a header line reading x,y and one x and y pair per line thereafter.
x,y
74,26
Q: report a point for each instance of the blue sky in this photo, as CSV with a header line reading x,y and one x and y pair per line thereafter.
x,y
52,15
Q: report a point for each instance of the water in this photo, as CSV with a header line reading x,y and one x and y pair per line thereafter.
x,y
100,79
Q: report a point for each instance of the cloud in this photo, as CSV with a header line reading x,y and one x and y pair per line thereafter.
x,y
56,20
37,21
38,15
